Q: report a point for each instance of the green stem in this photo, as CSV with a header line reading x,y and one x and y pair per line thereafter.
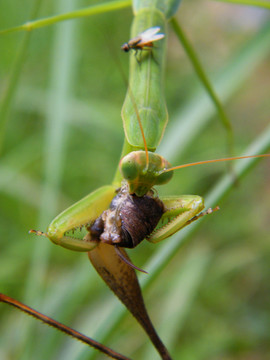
x,y
89,11
206,83
263,4
14,79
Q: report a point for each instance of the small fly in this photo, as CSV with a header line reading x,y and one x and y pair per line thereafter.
x,y
144,41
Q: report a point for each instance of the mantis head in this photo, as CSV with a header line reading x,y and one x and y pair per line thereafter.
x,y
142,172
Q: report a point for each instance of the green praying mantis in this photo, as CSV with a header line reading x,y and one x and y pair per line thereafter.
x,y
145,117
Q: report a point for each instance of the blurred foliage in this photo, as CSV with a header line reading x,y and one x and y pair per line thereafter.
x,y
219,291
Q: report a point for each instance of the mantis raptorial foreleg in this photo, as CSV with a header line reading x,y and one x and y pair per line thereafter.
x,y
77,218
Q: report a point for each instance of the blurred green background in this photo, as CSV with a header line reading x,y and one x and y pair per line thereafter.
x,y
63,139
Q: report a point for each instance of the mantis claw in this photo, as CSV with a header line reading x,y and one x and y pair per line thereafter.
x,y
129,263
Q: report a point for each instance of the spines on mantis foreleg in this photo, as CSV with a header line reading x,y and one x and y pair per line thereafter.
x,y
63,230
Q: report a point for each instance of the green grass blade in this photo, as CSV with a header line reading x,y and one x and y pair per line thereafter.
x,y
183,286
62,66
180,134
34,99
89,11
205,81
14,79
263,4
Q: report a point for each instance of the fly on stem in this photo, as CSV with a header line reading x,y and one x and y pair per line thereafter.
x,y
144,41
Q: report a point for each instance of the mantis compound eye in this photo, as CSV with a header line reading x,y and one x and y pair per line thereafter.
x,y
129,168
163,178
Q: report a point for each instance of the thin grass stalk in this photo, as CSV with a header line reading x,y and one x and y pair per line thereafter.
x,y
256,3
199,111
12,84
75,14
62,65
193,57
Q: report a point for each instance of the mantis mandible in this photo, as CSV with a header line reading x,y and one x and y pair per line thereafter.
x,y
99,200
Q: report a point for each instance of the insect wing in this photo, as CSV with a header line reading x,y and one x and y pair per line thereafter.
x,y
157,37
147,34
151,35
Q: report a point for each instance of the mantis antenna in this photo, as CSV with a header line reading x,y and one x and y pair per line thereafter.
x,y
213,161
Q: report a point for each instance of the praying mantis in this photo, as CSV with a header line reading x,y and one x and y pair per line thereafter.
x,y
138,136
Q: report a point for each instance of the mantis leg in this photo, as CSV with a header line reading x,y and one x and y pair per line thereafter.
x,y
69,228
179,212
